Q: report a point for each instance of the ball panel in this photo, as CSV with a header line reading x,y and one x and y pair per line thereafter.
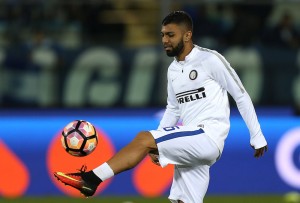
x,y
90,145
87,128
74,140
75,153
71,126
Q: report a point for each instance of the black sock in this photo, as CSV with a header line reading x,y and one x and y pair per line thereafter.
x,y
92,178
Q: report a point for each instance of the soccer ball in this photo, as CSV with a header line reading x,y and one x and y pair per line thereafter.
x,y
79,138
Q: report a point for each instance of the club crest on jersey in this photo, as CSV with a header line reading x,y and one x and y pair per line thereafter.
x,y
191,95
193,75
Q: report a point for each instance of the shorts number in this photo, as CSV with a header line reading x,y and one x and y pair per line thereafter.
x,y
171,128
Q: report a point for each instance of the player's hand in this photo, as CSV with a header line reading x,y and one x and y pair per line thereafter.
x,y
154,157
260,151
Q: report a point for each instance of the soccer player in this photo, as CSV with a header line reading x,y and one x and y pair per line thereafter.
x,y
198,82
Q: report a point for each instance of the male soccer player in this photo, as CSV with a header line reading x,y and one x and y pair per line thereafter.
x,y
198,82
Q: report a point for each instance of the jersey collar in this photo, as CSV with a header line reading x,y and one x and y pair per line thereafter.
x,y
187,57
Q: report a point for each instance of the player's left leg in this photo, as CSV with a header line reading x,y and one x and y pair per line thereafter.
x,y
192,152
185,146
190,183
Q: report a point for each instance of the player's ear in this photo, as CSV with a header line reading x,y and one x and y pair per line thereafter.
x,y
188,36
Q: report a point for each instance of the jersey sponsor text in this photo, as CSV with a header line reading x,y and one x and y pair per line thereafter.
x,y
191,95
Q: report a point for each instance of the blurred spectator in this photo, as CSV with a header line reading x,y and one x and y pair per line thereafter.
x,y
141,18
211,23
283,34
99,29
249,20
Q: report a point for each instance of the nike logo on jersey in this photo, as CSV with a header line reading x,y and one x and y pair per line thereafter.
x,y
191,95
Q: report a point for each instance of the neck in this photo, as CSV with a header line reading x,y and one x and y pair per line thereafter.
x,y
186,50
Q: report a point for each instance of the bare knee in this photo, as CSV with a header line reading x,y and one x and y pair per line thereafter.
x,y
145,139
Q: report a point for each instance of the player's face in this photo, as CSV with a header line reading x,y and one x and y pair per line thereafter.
x,y
172,39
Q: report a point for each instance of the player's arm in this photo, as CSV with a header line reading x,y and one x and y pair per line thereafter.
x,y
170,117
171,114
225,75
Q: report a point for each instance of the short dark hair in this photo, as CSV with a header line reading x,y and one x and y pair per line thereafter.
x,y
179,17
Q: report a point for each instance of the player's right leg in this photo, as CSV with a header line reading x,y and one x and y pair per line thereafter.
x,y
125,159
132,154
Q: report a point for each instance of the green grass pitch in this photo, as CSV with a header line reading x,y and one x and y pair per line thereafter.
x,y
208,199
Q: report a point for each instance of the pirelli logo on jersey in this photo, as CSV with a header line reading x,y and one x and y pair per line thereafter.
x,y
191,95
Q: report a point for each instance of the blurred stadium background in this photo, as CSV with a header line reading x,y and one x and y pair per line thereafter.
x,y
102,61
